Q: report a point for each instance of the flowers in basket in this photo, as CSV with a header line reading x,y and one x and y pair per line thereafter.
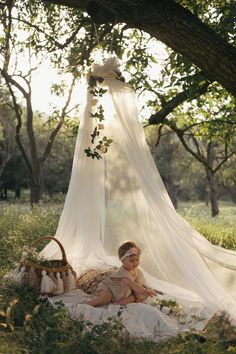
x,y
51,277
32,254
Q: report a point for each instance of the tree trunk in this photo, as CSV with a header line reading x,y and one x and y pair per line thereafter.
x,y
175,26
18,192
210,174
172,191
35,193
232,191
212,193
234,197
3,192
35,184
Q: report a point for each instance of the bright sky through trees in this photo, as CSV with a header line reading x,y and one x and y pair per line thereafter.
x,y
45,75
42,80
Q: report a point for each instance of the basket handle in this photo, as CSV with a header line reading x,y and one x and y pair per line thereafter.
x,y
52,239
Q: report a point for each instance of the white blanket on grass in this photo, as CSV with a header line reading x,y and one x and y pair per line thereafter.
x,y
141,320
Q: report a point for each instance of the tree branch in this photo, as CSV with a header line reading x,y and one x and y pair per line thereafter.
x,y
59,125
180,135
18,128
52,39
7,26
174,25
8,78
29,120
197,146
169,106
223,161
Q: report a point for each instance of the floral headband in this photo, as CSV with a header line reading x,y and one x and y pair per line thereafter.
x,y
133,251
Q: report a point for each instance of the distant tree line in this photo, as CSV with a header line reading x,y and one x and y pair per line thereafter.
x,y
192,124
182,174
14,175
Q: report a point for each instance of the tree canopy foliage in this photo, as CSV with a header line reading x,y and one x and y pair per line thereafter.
x,y
194,94
179,25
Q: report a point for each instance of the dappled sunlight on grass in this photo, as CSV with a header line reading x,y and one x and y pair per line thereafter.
x,y
220,230
200,209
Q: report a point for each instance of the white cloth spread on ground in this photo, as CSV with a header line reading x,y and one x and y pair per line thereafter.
x,y
140,319
122,197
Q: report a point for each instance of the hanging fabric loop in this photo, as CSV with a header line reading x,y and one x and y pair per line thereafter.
x,y
113,34
96,32
112,37
93,9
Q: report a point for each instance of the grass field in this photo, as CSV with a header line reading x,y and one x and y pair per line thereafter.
x,y
28,325
220,230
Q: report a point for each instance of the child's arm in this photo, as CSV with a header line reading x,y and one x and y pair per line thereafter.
x,y
141,281
138,289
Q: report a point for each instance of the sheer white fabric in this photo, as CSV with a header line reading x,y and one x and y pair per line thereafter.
x,y
122,197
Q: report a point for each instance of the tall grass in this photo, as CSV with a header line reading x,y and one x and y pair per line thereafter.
x,y
20,225
32,326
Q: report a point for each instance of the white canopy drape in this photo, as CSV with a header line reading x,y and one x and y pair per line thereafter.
x,y
122,196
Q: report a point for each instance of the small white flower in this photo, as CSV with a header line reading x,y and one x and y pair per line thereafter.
x,y
94,101
165,310
103,149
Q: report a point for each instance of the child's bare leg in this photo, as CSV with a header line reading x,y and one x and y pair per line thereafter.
x,y
125,301
103,298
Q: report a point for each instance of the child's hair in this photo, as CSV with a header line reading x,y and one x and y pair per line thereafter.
x,y
124,247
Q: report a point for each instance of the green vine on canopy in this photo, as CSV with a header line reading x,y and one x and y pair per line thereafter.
x,y
103,144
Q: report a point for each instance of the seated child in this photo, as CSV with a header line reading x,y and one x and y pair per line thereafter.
x,y
125,285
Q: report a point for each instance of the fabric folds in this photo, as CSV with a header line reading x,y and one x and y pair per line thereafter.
x,y
122,197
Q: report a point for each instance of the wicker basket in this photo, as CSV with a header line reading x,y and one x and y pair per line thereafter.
x,y
32,272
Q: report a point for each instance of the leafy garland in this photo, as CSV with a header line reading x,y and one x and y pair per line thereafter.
x,y
103,144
